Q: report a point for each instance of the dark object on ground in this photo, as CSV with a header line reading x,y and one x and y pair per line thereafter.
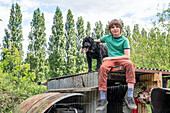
x,y
94,50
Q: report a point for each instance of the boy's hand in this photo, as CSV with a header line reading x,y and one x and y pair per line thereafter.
x,y
106,58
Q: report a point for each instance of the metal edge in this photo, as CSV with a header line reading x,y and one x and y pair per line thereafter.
x,y
61,98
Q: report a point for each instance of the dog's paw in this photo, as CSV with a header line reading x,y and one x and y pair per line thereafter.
x,y
90,71
97,69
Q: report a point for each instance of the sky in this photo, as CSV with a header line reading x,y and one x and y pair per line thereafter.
x,y
141,12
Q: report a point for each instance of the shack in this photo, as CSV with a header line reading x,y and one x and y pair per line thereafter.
x,y
78,93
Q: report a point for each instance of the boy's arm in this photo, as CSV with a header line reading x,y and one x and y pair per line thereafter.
x,y
123,57
98,40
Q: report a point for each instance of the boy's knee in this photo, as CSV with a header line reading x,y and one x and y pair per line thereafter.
x,y
131,64
102,67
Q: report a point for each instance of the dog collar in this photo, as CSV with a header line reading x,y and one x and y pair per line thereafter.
x,y
91,51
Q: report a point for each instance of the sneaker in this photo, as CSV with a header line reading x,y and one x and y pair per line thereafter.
x,y
101,104
130,102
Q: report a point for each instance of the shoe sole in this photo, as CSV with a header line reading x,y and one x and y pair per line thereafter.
x,y
101,108
126,95
131,108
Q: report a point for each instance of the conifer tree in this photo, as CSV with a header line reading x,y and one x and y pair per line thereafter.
x,y
6,39
107,29
70,44
98,30
56,45
14,32
80,61
88,30
37,44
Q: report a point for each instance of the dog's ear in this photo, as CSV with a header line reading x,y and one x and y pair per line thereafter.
x,y
84,40
90,39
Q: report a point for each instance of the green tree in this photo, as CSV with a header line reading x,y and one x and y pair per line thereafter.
x,y
158,48
6,39
127,31
15,84
37,44
80,60
107,29
151,49
163,19
56,45
98,30
14,32
70,44
135,46
88,30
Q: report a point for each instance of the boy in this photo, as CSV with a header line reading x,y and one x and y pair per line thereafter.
x,y
118,54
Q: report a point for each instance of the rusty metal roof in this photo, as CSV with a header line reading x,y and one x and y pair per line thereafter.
x,y
41,102
150,70
138,70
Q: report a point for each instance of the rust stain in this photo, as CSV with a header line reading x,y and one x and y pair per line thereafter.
x,y
27,104
41,102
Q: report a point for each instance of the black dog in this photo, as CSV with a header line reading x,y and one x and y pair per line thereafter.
x,y
94,50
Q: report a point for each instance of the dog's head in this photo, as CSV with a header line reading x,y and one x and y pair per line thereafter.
x,y
87,43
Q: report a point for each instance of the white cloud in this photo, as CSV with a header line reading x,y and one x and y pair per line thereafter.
x,y
48,23
27,5
5,1
4,15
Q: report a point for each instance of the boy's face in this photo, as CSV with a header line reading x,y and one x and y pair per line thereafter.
x,y
115,31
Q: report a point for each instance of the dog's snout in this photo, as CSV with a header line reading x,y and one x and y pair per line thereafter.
x,y
86,44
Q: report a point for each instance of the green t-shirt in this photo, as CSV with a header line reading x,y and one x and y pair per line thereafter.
x,y
115,46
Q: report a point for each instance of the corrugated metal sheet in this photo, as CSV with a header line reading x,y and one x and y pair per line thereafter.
x,y
40,103
80,81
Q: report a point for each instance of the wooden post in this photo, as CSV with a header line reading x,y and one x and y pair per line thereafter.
x,y
158,77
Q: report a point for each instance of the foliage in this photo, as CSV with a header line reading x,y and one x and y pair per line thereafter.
x,y
5,41
56,46
37,45
81,59
98,30
88,29
15,84
163,19
107,29
150,49
70,44
143,95
14,32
